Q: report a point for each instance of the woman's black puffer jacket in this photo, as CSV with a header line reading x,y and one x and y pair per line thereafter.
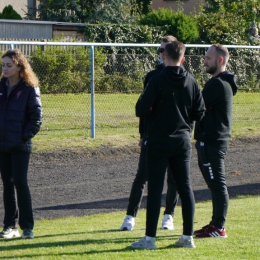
x,y
20,117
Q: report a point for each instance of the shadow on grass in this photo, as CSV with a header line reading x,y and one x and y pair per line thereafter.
x,y
121,204
31,244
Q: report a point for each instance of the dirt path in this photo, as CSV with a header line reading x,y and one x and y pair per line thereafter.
x,y
79,183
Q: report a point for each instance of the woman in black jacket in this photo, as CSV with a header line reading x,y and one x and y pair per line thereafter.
x,y
20,120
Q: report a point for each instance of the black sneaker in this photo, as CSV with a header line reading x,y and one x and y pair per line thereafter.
x,y
27,234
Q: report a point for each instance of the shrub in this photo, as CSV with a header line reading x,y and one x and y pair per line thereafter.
x,y
123,33
126,60
65,69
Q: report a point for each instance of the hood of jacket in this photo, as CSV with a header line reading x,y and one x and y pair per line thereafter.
x,y
231,79
159,66
176,76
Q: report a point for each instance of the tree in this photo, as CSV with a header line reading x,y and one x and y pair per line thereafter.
x,y
116,12
91,11
144,6
10,13
249,10
66,10
246,10
227,21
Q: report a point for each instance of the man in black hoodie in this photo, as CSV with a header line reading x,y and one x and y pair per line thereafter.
x,y
171,100
213,133
139,182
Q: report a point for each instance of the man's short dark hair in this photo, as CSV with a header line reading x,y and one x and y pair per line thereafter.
x,y
222,51
175,50
169,38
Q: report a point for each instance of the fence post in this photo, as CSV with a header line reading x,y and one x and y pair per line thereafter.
x,y
92,89
11,46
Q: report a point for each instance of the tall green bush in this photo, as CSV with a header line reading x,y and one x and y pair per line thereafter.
x,y
177,23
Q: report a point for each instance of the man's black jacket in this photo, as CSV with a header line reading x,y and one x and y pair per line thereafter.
x,y
149,75
171,102
215,127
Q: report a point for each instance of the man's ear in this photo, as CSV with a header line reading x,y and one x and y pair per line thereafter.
x,y
163,55
221,60
182,59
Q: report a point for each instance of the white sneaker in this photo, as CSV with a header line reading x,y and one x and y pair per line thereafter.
x,y
128,224
185,242
167,222
9,233
144,244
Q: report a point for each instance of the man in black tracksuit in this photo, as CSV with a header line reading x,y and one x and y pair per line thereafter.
x,y
140,180
213,133
172,194
172,100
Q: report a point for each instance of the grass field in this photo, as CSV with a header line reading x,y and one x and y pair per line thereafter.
x,y
246,116
67,119
67,125
98,237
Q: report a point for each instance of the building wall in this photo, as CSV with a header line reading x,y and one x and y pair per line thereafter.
x,y
68,32
20,6
20,29
188,5
25,29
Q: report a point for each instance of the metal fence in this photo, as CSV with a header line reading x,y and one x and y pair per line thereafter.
x,y
88,88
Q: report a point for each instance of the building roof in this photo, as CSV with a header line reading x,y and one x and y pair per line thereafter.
x,y
42,22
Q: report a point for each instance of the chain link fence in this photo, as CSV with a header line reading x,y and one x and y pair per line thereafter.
x,y
70,107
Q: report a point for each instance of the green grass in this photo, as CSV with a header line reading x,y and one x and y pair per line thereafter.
x,y
98,237
246,116
67,117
